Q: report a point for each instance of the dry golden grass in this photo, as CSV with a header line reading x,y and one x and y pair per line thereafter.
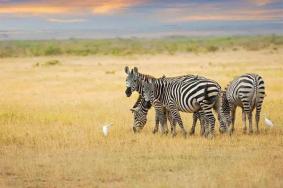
x,y
51,117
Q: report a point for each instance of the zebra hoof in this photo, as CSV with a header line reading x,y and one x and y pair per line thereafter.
x,y
222,130
205,134
174,135
257,132
251,131
192,132
185,135
230,131
154,131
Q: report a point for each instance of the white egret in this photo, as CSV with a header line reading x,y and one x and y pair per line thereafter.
x,y
105,129
268,122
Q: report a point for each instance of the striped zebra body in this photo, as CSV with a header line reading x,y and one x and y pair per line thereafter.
x,y
186,95
248,92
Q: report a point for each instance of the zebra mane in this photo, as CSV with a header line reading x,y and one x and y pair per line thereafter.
x,y
142,78
145,77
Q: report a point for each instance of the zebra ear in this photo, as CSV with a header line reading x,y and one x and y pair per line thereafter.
x,y
135,70
126,69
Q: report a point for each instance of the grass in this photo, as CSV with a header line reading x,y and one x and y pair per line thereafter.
x,y
50,125
138,46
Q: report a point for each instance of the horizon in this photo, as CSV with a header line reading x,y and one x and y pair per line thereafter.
x,y
37,20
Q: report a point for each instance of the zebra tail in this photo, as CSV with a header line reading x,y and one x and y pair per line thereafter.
x,y
254,99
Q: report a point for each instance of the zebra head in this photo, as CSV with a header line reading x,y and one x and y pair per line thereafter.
x,y
131,80
148,91
139,119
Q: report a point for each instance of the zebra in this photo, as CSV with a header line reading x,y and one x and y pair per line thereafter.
x,y
140,110
189,95
246,91
134,84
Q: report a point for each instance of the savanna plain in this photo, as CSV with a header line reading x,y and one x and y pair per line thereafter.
x,y
52,109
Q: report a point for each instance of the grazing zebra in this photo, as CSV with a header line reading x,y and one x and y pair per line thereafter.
x,y
186,95
248,92
140,110
134,84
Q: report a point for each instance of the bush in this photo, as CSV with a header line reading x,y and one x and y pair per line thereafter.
x,y
136,46
53,50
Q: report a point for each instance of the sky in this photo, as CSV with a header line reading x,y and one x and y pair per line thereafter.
x,y
60,19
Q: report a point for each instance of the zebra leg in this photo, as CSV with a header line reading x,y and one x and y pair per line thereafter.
x,y
172,123
210,118
203,123
204,131
157,117
250,116
195,118
177,118
169,116
164,122
233,114
206,128
257,116
211,121
244,121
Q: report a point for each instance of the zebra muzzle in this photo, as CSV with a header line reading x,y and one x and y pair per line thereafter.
x,y
148,104
128,92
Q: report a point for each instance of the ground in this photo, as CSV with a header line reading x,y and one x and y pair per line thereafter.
x,y
51,117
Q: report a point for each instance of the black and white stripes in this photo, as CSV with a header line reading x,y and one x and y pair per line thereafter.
x,y
194,94
248,92
186,95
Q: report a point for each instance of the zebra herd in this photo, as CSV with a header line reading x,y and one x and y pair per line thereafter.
x,y
197,95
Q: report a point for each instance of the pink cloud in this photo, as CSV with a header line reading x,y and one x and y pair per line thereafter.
x,y
67,7
215,12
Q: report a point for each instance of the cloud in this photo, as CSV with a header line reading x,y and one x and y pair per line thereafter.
x,y
198,12
32,10
66,6
55,20
114,6
262,2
